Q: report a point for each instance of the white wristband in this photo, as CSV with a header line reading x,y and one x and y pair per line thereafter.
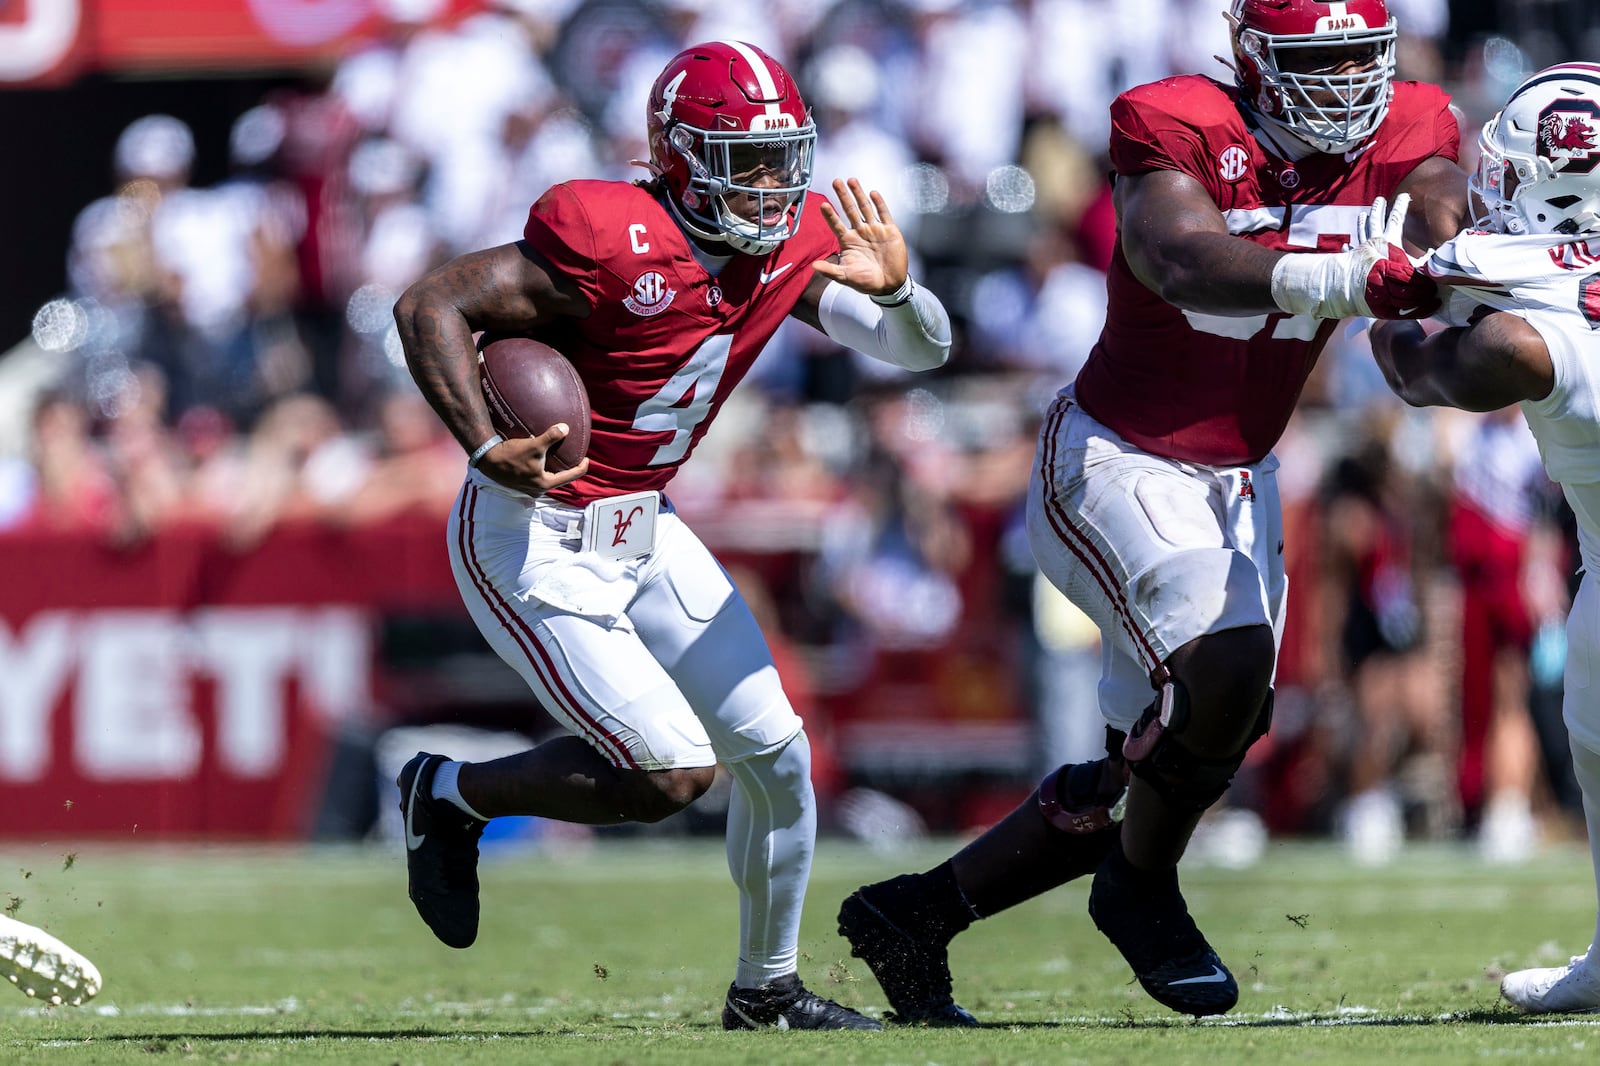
x,y
484,449
900,296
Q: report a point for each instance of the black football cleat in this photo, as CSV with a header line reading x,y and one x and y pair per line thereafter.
x,y
787,1004
1145,916
441,854
912,969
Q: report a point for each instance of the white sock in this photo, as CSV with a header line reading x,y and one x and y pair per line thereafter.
x,y
1586,768
446,788
772,832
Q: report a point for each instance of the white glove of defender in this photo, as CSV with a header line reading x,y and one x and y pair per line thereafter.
x,y
1334,284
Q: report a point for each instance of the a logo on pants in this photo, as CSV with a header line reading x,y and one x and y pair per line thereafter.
x,y
1247,491
620,534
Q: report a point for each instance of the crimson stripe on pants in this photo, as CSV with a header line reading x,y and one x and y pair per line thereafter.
x,y
528,642
1064,529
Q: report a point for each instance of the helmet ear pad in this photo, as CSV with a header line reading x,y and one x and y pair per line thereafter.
x,y
1250,76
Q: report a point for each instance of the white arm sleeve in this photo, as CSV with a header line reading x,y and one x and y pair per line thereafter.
x,y
914,335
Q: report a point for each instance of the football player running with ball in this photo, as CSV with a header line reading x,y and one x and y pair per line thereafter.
x,y
1523,307
1154,502
662,293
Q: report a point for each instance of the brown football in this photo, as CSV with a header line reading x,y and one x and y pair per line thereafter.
x,y
529,387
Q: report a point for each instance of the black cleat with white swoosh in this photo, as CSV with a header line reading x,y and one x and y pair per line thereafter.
x,y
441,854
1144,915
785,1003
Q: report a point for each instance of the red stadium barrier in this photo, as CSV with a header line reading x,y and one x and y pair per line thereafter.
x,y
46,42
182,689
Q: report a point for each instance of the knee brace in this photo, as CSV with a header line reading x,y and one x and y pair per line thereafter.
x,y
1086,797
1154,751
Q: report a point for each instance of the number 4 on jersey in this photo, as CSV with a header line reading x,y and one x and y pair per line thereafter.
x,y
698,379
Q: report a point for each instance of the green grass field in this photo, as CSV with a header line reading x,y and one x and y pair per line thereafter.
x,y
621,952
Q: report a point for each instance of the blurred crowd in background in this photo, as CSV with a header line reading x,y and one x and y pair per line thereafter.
x,y
226,355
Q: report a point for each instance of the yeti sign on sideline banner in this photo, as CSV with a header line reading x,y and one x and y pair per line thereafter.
x,y
180,689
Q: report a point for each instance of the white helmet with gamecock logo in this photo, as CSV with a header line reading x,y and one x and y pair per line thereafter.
x,y
1538,158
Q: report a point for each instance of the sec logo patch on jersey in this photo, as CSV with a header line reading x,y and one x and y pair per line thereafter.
x,y
1233,163
650,295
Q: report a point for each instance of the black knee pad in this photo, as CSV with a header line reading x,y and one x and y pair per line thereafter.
x,y
1182,778
1086,797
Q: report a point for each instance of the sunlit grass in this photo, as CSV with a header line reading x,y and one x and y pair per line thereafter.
x,y
622,952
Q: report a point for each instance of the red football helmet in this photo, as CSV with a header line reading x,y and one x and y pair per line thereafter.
x,y
724,115
1329,110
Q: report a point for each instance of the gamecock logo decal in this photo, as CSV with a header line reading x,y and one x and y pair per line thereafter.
x,y
1569,135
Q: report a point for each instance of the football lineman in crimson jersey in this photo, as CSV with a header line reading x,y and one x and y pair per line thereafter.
x,y
661,293
1154,503
1523,307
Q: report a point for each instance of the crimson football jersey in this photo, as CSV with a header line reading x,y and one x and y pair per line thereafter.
x,y
1214,389
664,342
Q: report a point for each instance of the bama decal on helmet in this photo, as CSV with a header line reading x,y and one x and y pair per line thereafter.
x,y
1339,18
770,122
650,295
1569,135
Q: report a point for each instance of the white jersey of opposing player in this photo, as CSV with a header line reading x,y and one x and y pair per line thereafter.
x,y
1553,283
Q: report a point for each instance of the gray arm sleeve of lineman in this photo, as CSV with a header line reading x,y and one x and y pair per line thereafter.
x,y
914,335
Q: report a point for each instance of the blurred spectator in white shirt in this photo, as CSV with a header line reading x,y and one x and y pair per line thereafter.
x,y
965,108
455,93
1081,53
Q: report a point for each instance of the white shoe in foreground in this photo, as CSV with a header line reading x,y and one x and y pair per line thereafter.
x,y
1555,990
42,966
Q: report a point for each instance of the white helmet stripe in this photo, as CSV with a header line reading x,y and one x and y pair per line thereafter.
x,y
769,86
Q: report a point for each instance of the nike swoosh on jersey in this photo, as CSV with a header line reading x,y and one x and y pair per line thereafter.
x,y
1350,156
413,840
1216,976
766,277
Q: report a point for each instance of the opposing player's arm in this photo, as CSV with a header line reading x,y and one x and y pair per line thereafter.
x,y
1497,361
1438,190
863,296
1177,243
511,288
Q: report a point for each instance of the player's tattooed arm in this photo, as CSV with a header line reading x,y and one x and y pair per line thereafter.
x,y
1439,211
1177,243
1498,361
510,289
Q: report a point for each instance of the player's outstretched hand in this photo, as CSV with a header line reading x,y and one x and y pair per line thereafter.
x,y
872,250
1394,288
519,463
